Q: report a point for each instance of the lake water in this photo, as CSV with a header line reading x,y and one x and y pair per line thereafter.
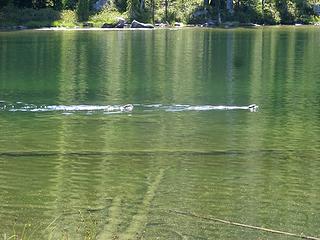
x,y
74,166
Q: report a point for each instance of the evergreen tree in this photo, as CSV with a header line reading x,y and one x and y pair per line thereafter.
x,y
83,10
23,3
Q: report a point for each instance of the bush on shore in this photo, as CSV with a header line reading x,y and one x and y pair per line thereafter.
x,y
47,17
107,15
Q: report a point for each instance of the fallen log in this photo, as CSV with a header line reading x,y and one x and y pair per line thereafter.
x,y
209,218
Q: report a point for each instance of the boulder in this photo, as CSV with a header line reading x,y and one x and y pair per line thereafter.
x,y
108,25
230,24
136,24
162,25
210,23
21,27
87,24
121,23
178,24
249,24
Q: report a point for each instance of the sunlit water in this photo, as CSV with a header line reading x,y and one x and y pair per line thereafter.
x,y
75,164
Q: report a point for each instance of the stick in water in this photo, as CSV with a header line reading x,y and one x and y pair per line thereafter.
x,y
243,225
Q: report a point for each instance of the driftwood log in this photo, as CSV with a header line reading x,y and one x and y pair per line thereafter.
x,y
209,218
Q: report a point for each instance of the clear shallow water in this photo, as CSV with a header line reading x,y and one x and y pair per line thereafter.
x,y
79,173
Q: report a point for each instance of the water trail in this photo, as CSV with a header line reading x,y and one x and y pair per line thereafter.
x,y
186,107
109,109
25,107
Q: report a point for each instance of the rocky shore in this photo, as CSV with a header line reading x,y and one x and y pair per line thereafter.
x,y
121,24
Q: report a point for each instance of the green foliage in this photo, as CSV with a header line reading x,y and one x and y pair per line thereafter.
x,y
180,11
271,15
24,16
287,10
138,11
3,3
69,4
68,18
107,15
247,11
121,5
187,11
38,24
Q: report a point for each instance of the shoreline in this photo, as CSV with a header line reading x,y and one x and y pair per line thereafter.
x,y
222,27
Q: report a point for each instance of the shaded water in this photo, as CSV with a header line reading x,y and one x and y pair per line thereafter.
x,y
74,173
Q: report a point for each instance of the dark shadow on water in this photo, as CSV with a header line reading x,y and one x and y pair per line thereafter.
x,y
147,153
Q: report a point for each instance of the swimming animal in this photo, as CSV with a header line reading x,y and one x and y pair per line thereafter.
x,y
253,107
126,108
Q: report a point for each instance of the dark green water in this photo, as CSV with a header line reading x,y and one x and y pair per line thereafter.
x,y
95,174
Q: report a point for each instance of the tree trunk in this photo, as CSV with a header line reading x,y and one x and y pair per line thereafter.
x,y
230,6
218,10
152,2
166,9
262,9
142,4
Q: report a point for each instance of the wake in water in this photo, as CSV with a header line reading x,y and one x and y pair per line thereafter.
x,y
23,107
108,109
181,107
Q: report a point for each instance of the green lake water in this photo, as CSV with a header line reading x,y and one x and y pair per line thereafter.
x,y
92,173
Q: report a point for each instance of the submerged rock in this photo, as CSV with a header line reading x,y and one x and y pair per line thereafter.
x,y
136,24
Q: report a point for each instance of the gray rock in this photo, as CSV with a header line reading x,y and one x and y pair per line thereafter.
x,y
121,23
108,25
136,24
230,24
22,27
87,24
178,24
249,25
162,25
210,23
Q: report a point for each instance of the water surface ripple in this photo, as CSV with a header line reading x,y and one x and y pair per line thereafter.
x,y
104,133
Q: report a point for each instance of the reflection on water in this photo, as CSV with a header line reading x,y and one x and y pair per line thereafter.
x,y
120,175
